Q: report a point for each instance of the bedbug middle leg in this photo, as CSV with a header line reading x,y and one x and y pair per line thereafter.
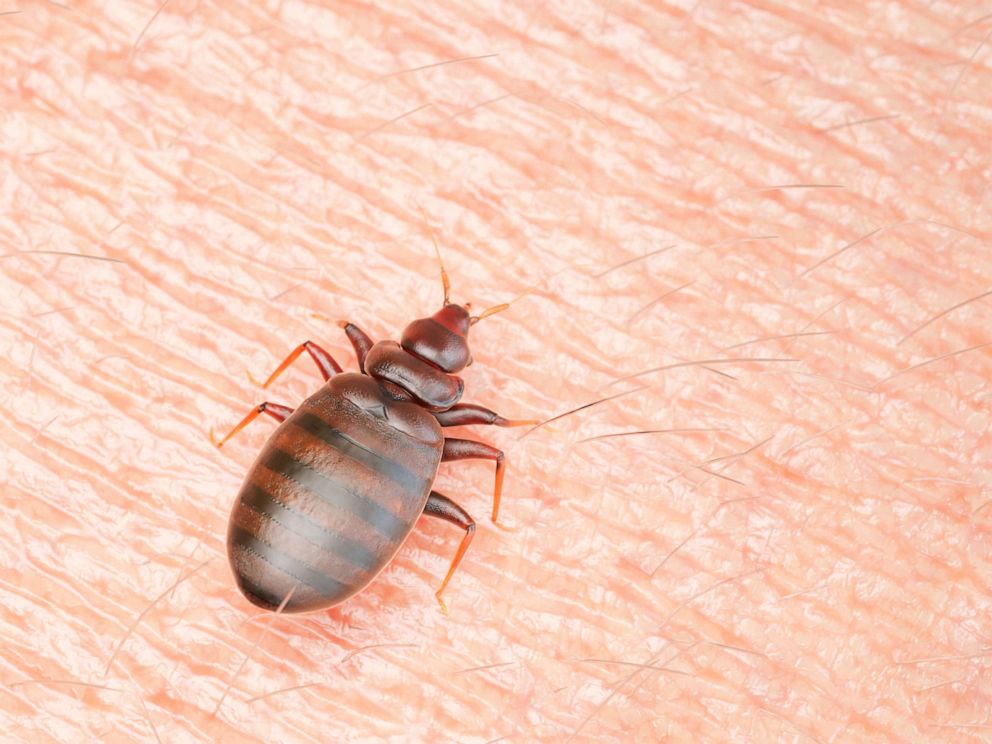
x,y
439,505
466,414
325,362
464,449
276,411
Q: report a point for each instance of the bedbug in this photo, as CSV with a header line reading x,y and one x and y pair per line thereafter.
x,y
341,482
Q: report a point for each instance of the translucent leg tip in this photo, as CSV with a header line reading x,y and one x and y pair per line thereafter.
x,y
441,604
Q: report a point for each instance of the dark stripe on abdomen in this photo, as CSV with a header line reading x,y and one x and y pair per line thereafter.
x,y
349,550
287,564
265,596
359,452
331,492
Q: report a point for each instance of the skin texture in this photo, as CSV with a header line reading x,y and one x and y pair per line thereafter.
x,y
680,182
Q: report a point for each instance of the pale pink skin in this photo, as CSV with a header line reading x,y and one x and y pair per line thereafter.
x,y
813,566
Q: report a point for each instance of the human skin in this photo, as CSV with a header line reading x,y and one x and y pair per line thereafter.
x,y
805,557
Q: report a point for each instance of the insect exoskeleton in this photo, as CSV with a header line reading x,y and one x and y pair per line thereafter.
x,y
341,482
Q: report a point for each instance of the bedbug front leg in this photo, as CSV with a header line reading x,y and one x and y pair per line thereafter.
x,y
276,411
440,506
359,340
467,414
325,362
465,449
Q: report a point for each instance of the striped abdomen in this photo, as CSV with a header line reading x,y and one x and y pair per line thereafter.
x,y
332,496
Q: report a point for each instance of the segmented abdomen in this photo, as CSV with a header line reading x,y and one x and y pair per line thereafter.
x,y
332,496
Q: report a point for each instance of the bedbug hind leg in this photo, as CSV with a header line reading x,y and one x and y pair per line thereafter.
x,y
465,449
440,506
467,414
359,341
325,362
276,411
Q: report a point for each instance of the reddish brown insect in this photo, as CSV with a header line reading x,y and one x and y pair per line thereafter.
x,y
339,485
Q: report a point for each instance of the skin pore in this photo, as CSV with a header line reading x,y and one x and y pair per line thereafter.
x,y
761,233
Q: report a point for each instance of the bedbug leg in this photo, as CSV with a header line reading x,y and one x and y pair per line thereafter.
x,y
325,362
464,449
276,411
466,414
359,339
439,505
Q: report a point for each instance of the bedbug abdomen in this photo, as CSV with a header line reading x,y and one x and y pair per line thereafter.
x,y
332,496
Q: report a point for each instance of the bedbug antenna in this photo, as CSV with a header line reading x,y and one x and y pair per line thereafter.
x,y
491,311
444,274
533,288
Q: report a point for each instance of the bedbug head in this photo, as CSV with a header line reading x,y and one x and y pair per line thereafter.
x,y
441,339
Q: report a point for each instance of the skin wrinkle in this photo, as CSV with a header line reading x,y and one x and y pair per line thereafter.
x,y
639,144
